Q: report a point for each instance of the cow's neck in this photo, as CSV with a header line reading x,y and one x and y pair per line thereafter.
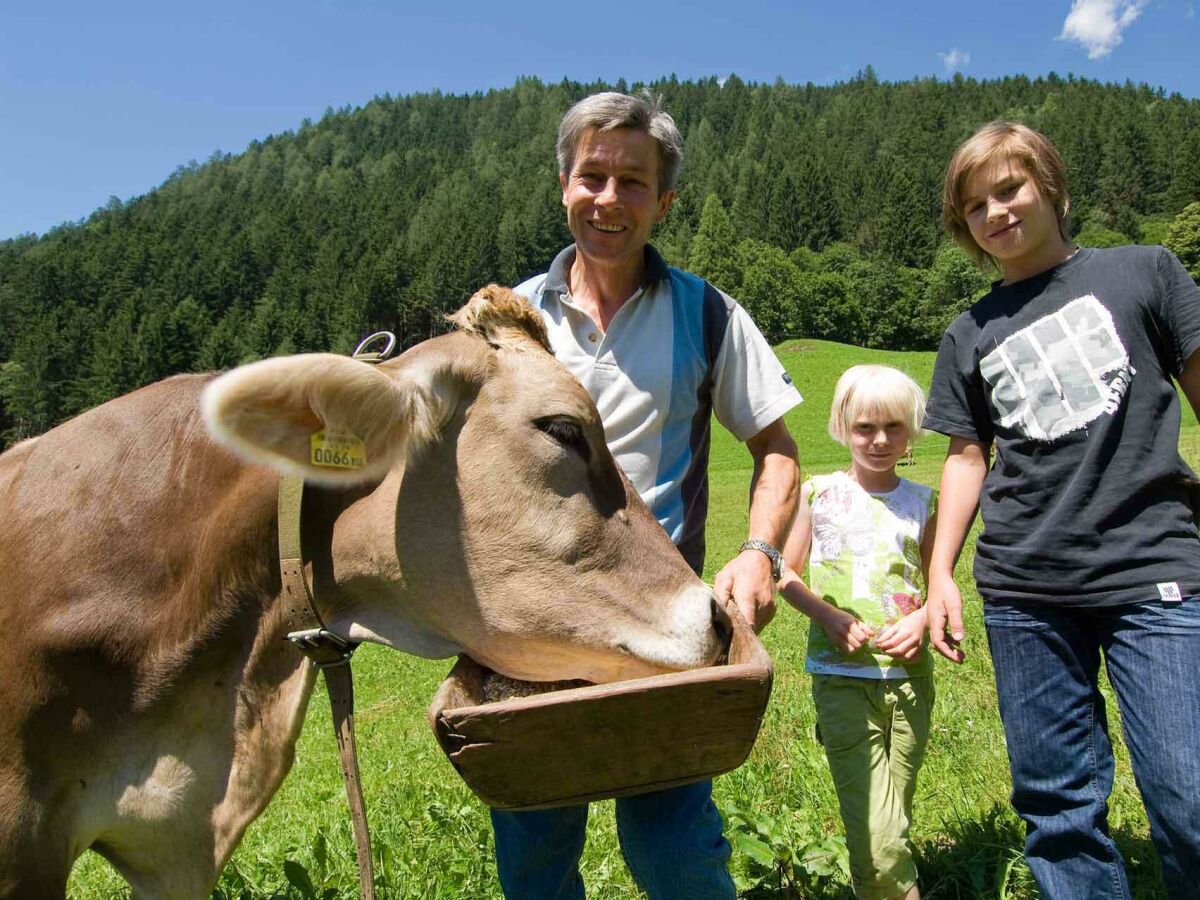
x,y
271,704
278,679
276,685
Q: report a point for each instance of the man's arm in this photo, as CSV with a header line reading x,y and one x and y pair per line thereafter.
x,y
958,498
773,491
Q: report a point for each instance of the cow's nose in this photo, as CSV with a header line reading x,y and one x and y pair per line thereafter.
x,y
722,624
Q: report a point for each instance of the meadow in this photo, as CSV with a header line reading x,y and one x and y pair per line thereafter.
x,y
432,838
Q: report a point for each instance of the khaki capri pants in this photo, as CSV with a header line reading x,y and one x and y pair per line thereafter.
x,y
874,731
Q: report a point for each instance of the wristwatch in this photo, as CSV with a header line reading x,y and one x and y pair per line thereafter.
x,y
773,555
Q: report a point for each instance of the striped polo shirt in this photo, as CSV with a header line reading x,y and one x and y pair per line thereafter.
x,y
676,352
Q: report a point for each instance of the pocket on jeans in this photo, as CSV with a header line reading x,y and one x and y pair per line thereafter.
x,y
1003,615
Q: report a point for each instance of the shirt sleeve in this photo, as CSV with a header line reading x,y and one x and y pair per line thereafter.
x,y
1180,307
751,388
957,405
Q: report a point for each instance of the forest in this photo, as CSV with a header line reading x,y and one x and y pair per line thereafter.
x,y
816,206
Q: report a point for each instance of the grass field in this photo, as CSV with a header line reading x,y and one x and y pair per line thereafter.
x,y
432,838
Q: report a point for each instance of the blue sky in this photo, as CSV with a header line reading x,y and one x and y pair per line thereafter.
x,y
107,99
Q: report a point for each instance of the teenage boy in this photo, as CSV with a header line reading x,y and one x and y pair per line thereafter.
x,y
1089,547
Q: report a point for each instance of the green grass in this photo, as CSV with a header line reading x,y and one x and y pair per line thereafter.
x,y
432,838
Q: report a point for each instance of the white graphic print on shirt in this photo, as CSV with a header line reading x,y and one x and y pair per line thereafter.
x,y
1061,372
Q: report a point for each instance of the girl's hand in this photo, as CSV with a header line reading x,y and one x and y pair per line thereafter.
x,y
902,640
847,633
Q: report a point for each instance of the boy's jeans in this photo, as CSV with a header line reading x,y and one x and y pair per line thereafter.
x,y
672,841
1047,662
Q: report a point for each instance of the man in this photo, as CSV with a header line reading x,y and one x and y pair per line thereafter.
x,y
658,350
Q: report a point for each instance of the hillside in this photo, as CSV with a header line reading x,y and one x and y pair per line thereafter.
x,y
815,205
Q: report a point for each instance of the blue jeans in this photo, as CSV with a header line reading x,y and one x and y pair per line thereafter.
x,y
1047,663
672,841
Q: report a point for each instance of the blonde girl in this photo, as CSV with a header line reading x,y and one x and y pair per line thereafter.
x,y
865,533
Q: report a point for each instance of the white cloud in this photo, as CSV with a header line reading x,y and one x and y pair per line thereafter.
x,y
1097,24
955,59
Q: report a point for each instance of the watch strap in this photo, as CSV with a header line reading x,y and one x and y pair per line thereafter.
x,y
772,554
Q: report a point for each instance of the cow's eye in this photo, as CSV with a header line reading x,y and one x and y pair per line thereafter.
x,y
567,432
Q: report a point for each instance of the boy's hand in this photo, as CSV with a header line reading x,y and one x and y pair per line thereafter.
x,y
847,633
944,608
902,639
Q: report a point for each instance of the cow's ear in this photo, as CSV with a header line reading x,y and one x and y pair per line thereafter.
x,y
321,417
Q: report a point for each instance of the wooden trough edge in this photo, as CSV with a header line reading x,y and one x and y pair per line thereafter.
x,y
469,731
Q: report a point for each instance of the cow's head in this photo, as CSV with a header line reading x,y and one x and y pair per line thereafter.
x,y
496,521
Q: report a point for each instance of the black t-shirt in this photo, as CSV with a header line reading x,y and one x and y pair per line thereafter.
x,y
1068,375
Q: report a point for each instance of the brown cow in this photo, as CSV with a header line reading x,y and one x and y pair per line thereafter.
x,y
150,704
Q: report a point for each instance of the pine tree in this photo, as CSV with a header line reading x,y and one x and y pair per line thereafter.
x,y
1123,176
817,219
713,255
907,228
749,212
1185,179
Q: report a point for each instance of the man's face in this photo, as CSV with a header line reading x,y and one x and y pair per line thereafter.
x,y
611,195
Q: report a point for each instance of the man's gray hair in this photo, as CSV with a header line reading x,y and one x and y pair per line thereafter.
x,y
611,109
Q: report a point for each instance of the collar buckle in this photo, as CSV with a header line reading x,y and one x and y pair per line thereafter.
x,y
323,647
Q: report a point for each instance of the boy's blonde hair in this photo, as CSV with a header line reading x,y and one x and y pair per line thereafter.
x,y
997,141
866,390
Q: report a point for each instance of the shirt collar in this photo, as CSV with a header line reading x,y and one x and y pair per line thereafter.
x,y
557,279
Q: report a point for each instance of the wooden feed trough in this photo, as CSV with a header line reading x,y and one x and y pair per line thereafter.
x,y
608,740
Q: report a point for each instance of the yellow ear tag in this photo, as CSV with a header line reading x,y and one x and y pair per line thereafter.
x,y
336,450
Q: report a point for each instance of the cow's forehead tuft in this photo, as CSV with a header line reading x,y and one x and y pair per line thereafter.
x,y
495,312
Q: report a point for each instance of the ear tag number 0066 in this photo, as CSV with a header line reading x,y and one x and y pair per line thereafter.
x,y
337,450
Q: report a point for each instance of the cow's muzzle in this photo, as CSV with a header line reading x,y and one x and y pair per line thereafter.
x,y
723,625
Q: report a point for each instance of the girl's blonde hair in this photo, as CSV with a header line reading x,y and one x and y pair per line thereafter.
x,y
868,390
993,142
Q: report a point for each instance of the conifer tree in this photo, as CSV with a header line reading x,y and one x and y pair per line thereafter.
x,y
907,228
1185,177
817,222
1123,177
713,254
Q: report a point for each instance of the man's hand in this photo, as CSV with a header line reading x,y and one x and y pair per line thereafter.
x,y
944,608
774,487
847,633
746,579
902,640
